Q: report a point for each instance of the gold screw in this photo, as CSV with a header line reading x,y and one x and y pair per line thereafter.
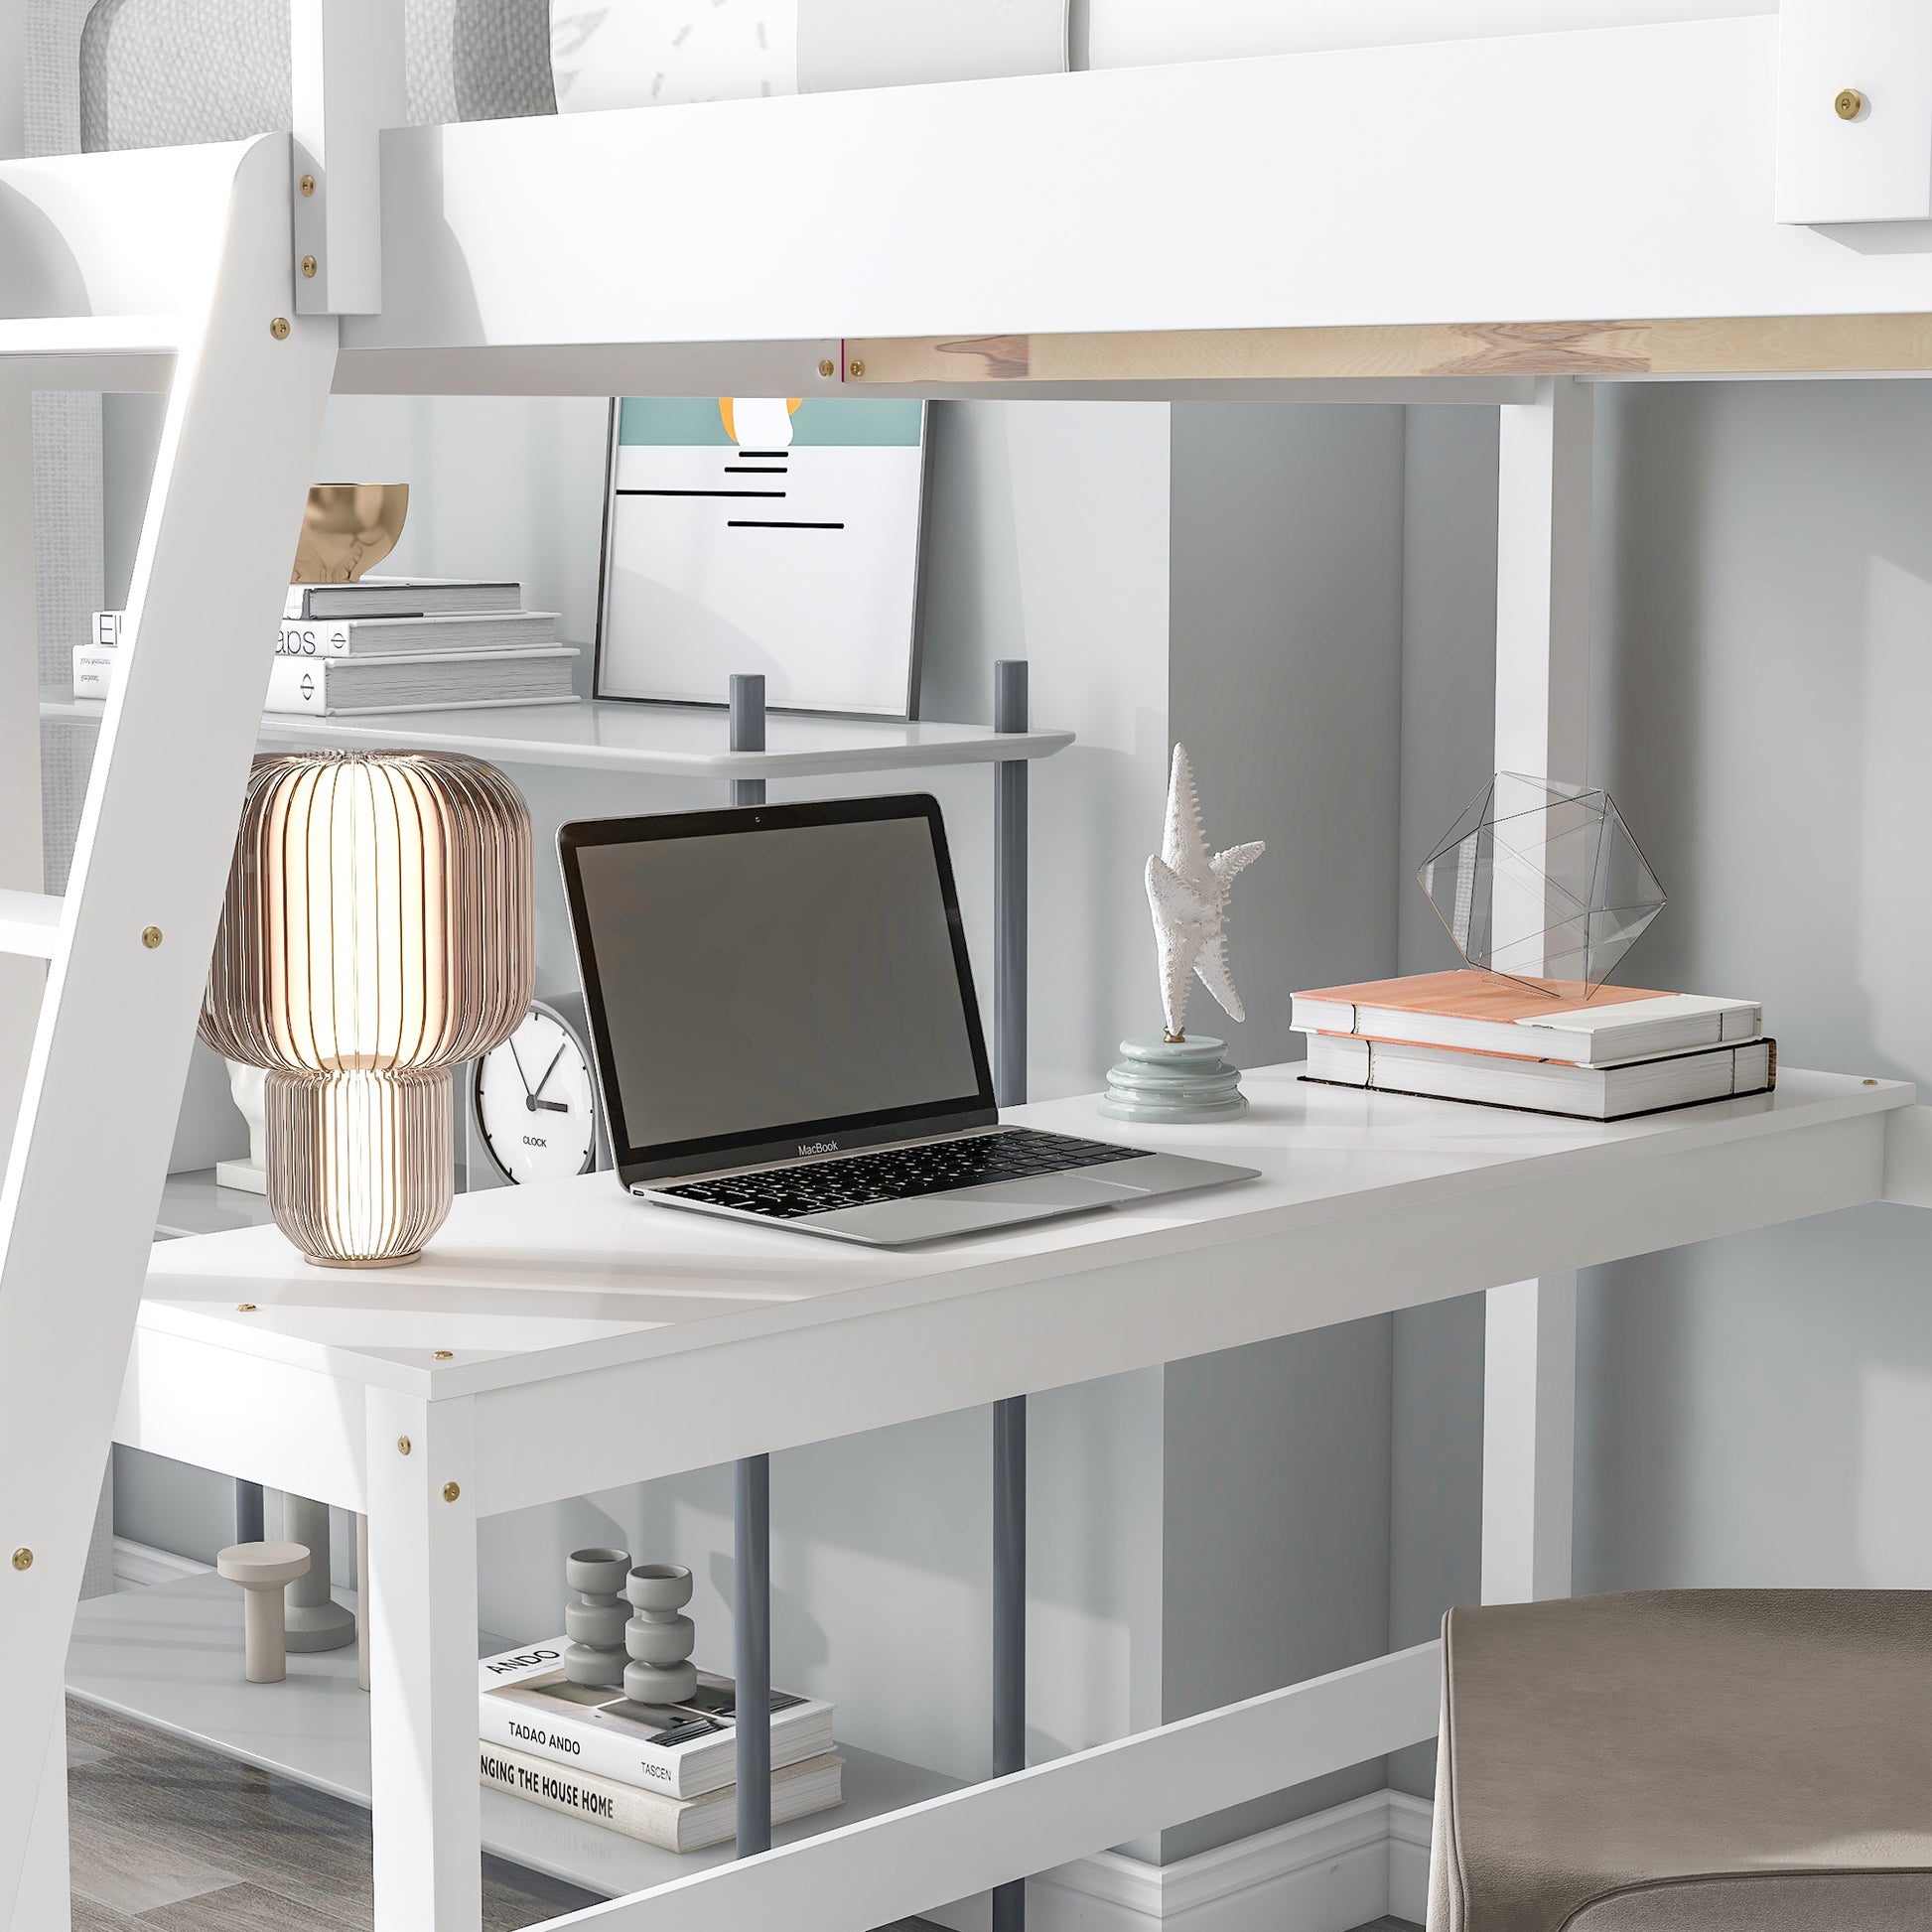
x,y
1848,106
307,184
244,1307
402,1445
22,1559
858,369
445,1354
309,267
450,1492
1872,1083
279,329
151,936
828,367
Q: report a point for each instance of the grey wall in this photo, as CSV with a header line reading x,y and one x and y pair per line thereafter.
x,y
1287,689
1287,657
1449,691
1760,1409
1755,1410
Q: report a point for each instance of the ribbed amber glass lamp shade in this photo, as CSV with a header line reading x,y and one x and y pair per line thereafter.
x,y
378,930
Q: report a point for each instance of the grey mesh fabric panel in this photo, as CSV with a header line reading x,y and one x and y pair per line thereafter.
x,y
478,59
162,73
166,72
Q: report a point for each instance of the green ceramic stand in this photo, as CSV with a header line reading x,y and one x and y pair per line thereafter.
x,y
1176,1080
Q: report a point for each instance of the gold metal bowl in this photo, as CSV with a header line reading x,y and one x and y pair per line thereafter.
x,y
348,529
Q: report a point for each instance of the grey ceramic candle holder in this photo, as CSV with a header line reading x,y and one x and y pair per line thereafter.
x,y
659,1637
593,1623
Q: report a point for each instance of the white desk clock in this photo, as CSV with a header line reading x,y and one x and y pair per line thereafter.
x,y
533,1100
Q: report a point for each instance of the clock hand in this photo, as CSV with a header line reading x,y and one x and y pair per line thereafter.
x,y
530,1099
519,1065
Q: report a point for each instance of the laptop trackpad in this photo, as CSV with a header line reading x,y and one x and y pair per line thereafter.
x,y
1049,1190
973,1210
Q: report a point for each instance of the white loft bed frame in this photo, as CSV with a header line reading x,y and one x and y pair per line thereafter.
x,y
1498,220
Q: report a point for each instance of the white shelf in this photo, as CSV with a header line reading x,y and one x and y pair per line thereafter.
x,y
663,741
67,336
30,923
170,1656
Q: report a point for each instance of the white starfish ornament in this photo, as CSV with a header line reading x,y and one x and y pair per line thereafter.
x,y
1188,891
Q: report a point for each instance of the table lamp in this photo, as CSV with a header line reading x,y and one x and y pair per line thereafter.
x,y
378,930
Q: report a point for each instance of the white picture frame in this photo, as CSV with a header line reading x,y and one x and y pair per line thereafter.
x,y
763,535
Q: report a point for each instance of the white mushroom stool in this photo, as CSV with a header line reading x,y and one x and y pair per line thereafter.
x,y
263,1570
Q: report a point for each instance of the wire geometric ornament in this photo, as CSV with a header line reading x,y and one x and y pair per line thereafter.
x,y
1541,882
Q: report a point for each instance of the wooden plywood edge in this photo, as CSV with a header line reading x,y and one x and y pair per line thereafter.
x,y
1723,346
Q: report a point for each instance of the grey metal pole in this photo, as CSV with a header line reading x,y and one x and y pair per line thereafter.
x,y
247,1512
1010,891
751,1647
1010,1415
1010,1622
748,732
751,1478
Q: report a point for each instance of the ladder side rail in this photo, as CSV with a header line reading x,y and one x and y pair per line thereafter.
x,y
118,1022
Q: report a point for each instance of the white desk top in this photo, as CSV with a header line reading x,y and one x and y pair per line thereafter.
x,y
527,1284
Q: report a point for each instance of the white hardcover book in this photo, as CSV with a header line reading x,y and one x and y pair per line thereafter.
x,y
451,680
1544,1086
671,1824
400,597
94,666
527,1704
394,636
1484,1012
108,627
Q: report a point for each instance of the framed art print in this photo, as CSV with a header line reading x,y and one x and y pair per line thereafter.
x,y
766,535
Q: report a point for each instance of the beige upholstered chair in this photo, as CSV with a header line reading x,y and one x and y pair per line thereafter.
x,y
1708,1761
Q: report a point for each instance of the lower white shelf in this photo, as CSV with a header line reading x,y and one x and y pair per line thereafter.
x,y
170,1656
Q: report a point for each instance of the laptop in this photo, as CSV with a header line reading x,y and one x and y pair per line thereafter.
x,y
783,1019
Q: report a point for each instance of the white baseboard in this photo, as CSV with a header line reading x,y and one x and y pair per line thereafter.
x,y
1334,1871
137,1564
1409,1820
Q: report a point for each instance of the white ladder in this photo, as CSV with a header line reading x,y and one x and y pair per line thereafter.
x,y
112,268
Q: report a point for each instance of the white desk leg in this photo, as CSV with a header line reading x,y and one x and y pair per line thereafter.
x,y
1529,1440
1542,619
423,1665
42,1897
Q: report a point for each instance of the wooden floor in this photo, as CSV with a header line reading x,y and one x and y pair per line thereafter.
x,y
171,1837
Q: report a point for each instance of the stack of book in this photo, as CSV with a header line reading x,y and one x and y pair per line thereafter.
x,y
663,1776
389,644
1545,1046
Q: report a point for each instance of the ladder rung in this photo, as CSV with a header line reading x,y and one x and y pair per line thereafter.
x,y
30,923
64,336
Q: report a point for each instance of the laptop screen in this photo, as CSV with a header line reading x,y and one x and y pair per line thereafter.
x,y
764,978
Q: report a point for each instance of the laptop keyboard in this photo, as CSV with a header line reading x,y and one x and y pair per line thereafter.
x,y
902,1173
